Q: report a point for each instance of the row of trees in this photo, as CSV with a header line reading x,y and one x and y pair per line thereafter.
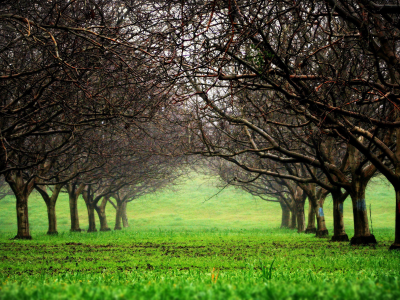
x,y
80,107
305,91
302,96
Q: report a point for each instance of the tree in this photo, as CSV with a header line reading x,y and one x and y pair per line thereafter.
x,y
65,68
297,57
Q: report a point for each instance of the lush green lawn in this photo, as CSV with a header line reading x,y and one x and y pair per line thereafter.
x,y
179,265
180,247
186,206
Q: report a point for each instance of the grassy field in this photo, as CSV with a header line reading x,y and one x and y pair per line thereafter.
x,y
180,246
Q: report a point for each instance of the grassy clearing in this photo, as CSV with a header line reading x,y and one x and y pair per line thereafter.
x,y
180,247
200,264
186,207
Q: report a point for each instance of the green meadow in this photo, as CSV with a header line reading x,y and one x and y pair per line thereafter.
x,y
183,243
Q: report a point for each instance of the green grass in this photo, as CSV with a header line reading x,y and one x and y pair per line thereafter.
x,y
179,265
187,206
180,246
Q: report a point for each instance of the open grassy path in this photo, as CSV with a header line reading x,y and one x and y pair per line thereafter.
x,y
180,246
200,264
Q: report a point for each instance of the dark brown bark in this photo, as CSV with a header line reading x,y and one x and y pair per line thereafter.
x,y
74,191
21,190
101,212
52,217
311,219
316,199
301,221
22,217
396,244
51,206
362,234
293,218
299,200
321,225
91,217
285,215
339,233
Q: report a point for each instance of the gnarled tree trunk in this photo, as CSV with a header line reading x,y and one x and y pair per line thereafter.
x,y
124,215
321,225
311,219
301,221
362,234
118,215
285,215
21,190
90,205
73,192
51,206
91,217
299,200
293,218
339,233
396,244
101,212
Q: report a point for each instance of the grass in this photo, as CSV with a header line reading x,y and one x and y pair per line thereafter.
x,y
180,247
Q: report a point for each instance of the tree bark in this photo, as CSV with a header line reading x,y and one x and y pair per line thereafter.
x,y
311,219
118,216
339,233
52,217
285,215
362,234
124,215
73,193
21,190
301,221
293,218
51,206
22,216
321,225
396,244
91,217
101,212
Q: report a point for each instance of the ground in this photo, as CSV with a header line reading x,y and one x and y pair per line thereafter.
x,y
180,246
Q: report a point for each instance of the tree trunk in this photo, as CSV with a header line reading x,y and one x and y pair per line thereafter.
x,y
396,244
321,231
51,206
21,190
51,215
118,216
301,222
73,209
285,215
101,212
293,218
311,219
362,234
91,217
22,217
124,215
73,193
339,233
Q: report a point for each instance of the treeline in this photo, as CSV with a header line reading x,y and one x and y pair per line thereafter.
x,y
299,98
